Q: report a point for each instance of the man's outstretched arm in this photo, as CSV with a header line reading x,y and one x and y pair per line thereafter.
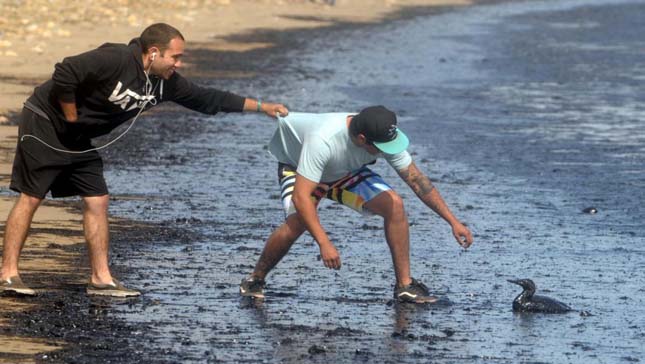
x,y
268,108
426,191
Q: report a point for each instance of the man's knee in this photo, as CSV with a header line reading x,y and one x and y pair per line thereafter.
x,y
397,209
28,201
388,204
294,227
96,204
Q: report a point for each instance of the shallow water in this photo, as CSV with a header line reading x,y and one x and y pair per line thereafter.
x,y
524,114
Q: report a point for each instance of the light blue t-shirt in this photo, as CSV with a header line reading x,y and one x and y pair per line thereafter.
x,y
319,146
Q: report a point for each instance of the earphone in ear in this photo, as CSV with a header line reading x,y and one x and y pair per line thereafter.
x,y
154,54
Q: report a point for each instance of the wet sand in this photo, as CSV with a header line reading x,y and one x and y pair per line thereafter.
x,y
524,116
49,327
518,154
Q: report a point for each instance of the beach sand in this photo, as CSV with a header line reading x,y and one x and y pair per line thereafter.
x,y
31,43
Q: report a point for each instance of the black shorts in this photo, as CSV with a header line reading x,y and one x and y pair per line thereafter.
x,y
37,169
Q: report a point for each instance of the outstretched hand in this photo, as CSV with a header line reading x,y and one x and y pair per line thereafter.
x,y
463,235
330,256
273,109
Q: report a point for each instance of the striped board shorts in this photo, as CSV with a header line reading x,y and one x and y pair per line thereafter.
x,y
353,190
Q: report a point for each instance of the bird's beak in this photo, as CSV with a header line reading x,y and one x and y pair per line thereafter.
x,y
516,281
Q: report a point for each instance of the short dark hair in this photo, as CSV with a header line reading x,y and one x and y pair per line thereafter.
x,y
158,35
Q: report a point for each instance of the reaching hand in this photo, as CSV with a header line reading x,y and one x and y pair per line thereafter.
x,y
463,235
273,109
330,256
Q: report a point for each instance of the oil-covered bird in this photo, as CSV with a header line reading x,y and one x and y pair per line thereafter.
x,y
528,301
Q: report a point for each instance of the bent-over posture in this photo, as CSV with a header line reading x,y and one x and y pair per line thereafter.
x,y
326,156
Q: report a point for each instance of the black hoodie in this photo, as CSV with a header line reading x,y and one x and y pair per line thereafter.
x,y
108,85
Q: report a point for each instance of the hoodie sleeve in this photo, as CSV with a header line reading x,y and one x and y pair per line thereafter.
x,y
88,67
202,99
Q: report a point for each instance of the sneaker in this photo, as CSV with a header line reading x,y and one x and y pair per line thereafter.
x,y
14,284
114,289
252,287
415,292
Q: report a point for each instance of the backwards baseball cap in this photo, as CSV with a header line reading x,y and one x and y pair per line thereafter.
x,y
378,125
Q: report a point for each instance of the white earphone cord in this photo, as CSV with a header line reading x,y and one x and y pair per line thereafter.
x,y
149,98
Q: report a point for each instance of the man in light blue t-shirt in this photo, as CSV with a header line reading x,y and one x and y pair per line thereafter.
x,y
326,155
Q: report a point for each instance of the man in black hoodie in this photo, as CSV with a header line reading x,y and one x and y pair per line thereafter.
x,y
89,95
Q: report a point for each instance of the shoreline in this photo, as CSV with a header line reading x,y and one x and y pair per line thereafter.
x,y
226,26
57,225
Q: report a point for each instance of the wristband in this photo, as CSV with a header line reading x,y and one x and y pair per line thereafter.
x,y
259,106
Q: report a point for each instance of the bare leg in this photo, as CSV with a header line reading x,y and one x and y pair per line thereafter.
x,y
278,245
389,205
95,224
15,233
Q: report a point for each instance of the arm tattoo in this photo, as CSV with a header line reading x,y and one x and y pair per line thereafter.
x,y
425,186
418,182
